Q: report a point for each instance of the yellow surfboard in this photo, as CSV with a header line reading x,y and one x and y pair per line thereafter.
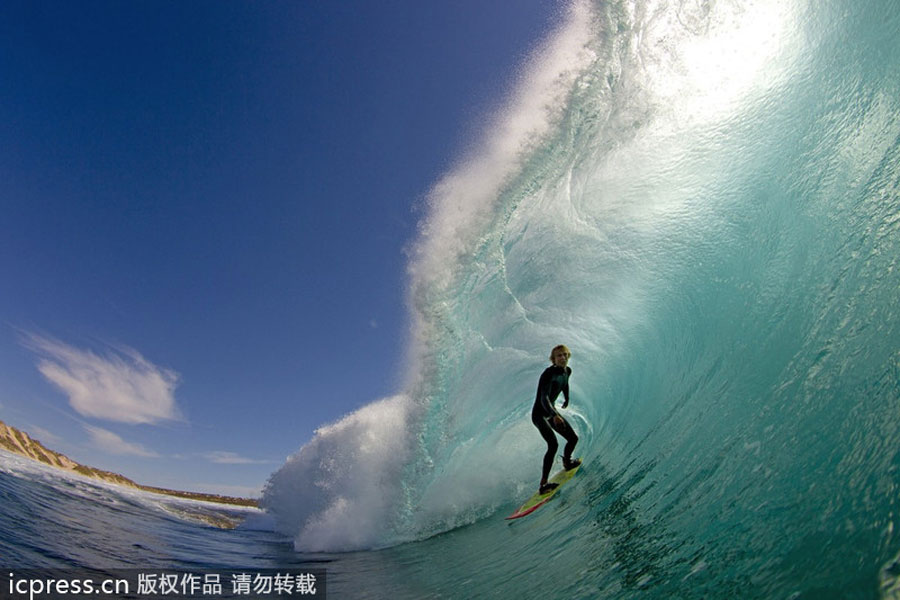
x,y
539,499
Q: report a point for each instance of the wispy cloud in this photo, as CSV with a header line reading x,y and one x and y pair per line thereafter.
x,y
42,435
240,491
110,442
230,458
121,386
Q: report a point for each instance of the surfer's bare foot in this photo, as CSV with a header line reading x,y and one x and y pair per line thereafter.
x,y
569,463
548,487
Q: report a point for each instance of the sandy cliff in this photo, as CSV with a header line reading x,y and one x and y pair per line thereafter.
x,y
19,442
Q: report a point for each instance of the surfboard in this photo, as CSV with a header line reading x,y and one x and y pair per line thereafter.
x,y
539,499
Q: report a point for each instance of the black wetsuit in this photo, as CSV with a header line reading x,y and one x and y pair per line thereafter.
x,y
553,381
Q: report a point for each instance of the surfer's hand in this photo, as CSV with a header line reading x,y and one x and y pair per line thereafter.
x,y
565,404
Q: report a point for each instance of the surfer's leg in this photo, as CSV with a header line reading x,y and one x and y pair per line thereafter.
x,y
552,446
571,437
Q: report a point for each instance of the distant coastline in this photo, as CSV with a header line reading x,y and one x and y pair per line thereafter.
x,y
19,442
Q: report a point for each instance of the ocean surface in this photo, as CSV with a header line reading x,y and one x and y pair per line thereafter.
x,y
702,200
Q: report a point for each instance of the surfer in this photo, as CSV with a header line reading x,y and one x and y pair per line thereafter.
x,y
554,379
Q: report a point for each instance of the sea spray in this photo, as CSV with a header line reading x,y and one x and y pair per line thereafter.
x,y
338,491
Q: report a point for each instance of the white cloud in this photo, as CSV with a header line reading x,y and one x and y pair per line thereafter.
x,y
121,386
114,444
230,458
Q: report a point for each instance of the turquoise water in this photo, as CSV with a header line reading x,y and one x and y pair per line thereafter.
x,y
701,200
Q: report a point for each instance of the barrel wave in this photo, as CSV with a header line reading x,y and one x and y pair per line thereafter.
x,y
702,200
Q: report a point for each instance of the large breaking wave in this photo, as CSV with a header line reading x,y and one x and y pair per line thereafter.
x,y
701,200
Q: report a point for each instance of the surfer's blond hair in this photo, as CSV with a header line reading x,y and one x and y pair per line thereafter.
x,y
560,347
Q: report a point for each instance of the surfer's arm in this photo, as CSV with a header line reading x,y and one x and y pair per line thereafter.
x,y
565,389
544,395
549,409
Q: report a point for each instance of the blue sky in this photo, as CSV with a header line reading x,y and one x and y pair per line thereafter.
x,y
204,208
